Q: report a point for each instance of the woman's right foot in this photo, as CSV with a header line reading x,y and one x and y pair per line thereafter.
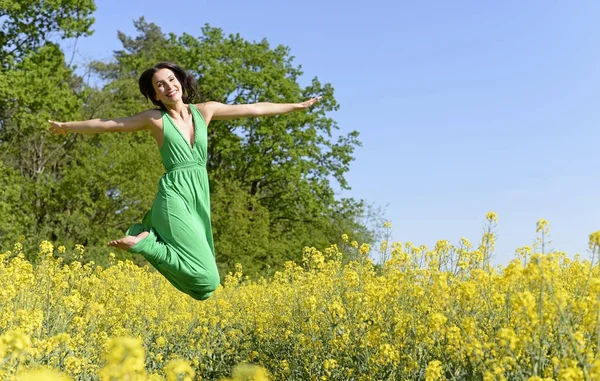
x,y
129,241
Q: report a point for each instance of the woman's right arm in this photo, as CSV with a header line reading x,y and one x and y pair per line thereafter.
x,y
143,121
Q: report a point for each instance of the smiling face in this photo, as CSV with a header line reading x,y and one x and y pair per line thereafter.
x,y
167,87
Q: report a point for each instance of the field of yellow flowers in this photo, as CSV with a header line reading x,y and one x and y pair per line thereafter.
x,y
425,314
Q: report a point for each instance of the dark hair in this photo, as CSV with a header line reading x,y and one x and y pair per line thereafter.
x,y
188,83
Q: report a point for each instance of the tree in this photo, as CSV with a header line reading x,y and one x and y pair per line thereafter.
x,y
35,84
38,88
271,191
270,177
27,24
82,189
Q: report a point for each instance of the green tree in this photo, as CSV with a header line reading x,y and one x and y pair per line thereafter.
x,y
25,25
83,189
35,85
13,216
270,177
38,88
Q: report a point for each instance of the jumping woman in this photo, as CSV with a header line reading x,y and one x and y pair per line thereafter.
x,y
175,235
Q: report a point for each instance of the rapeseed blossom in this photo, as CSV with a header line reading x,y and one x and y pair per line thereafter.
x,y
423,313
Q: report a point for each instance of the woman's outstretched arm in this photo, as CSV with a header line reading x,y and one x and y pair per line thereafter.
x,y
138,122
221,111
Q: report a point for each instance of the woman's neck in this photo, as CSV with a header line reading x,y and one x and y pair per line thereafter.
x,y
178,110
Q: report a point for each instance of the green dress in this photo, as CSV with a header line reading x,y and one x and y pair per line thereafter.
x,y
180,244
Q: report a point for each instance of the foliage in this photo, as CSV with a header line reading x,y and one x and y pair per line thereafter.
x,y
270,177
39,88
26,25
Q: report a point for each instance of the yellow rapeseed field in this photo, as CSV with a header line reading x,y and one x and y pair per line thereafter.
x,y
425,314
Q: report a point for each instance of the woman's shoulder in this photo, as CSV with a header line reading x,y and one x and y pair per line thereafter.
x,y
150,118
153,114
204,110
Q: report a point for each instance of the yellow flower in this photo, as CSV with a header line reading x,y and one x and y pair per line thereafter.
x,y
248,372
41,374
345,237
383,246
330,364
74,365
433,371
154,377
161,341
14,342
300,320
179,370
125,358
595,370
387,224
508,337
388,354
437,320
79,249
571,374
364,249
491,217
595,240
541,225
46,249
465,243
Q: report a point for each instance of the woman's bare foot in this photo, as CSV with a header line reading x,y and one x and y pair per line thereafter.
x,y
129,241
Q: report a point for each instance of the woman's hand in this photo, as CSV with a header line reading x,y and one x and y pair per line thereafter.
x,y
310,102
58,128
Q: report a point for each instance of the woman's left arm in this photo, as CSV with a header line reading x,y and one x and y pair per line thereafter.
x,y
221,111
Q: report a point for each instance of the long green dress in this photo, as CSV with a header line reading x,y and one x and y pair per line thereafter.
x,y
180,244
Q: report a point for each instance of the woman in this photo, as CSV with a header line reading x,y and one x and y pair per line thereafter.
x,y
175,236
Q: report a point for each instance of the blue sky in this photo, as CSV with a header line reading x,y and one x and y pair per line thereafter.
x,y
463,107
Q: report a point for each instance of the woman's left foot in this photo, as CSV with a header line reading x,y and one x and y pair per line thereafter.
x,y
129,241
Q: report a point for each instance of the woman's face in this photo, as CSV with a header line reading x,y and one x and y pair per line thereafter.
x,y
167,87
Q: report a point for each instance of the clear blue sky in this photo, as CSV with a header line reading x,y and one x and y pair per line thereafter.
x,y
463,107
